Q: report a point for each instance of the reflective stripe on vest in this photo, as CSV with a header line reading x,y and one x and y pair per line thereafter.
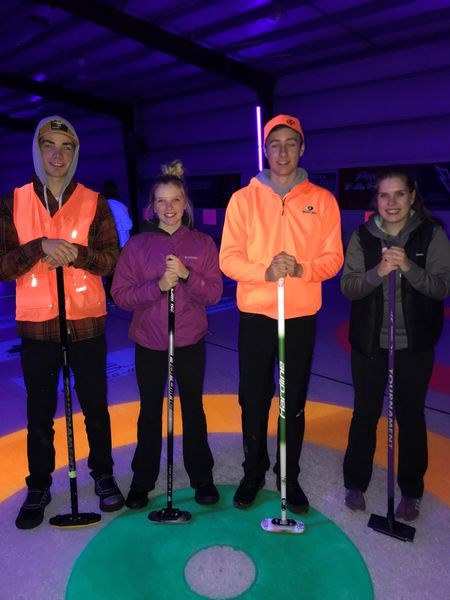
x,y
36,291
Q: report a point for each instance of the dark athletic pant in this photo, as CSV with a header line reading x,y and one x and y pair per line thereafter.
x,y
411,377
151,372
41,365
258,353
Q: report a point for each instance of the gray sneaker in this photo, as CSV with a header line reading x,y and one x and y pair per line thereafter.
x,y
408,509
354,500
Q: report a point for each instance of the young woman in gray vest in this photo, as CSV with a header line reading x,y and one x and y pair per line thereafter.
x,y
401,236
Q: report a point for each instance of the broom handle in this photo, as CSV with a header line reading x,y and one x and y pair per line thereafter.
x,y
170,395
282,392
67,392
391,382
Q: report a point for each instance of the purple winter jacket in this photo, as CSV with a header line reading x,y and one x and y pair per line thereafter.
x,y
135,286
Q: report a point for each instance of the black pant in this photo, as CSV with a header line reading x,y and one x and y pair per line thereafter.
x,y
41,365
258,350
151,373
411,377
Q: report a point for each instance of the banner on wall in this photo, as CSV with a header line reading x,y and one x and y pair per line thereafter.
x,y
356,185
205,191
213,191
326,179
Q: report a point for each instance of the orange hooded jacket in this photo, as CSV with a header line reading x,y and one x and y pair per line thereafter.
x,y
36,291
259,224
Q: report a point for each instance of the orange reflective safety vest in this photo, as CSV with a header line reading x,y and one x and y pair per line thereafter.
x,y
36,290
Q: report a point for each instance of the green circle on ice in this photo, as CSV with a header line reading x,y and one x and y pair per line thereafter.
x,y
136,559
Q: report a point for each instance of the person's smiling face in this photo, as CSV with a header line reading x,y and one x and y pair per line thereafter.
x,y
394,201
283,148
57,151
169,205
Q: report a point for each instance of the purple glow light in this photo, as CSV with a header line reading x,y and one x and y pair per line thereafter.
x,y
259,136
39,77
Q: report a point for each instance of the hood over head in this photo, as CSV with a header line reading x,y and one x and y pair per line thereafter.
x,y
60,125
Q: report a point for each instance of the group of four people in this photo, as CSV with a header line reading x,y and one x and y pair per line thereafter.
x,y
279,226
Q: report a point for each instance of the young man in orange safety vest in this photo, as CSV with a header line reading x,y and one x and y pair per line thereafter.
x,y
279,226
48,223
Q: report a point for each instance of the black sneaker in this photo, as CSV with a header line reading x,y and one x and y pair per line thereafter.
x,y
246,493
207,494
111,498
31,513
137,496
296,500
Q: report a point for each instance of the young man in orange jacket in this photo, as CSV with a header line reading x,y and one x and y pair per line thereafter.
x,y
48,223
280,225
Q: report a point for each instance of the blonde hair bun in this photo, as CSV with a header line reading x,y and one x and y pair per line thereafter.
x,y
175,169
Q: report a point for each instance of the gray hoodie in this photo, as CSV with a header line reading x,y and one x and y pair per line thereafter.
x,y
264,177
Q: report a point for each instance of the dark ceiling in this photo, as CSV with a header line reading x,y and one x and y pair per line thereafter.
x,y
108,56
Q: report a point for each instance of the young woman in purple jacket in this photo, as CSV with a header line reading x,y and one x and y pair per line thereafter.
x,y
169,254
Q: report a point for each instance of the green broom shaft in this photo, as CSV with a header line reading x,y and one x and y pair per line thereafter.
x,y
282,392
